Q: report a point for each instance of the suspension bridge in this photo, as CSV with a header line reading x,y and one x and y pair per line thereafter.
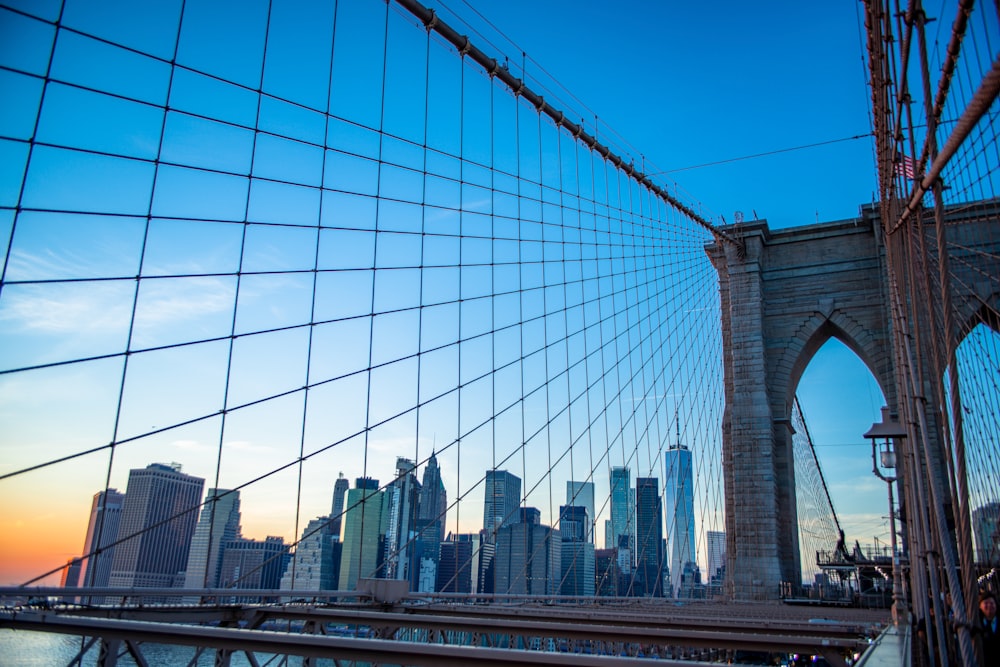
x,y
359,346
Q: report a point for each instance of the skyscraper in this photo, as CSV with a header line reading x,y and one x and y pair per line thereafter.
x,y
70,577
311,567
649,536
403,497
606,573
457,565
622,508
102,530
218,524
157,523
503,498
528,559
362,533
337,509
573,522
431,520
716,544
485,574
253,564
433,496
577,559
529,515
581,494
678,498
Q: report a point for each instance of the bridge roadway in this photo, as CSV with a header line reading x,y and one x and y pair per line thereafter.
x,y
505,630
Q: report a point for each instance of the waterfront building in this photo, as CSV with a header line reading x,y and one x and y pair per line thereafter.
x,y
253,564
218,524
158,519
102,531
70,577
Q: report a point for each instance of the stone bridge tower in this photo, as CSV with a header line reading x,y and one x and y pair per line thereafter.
x,y
783,296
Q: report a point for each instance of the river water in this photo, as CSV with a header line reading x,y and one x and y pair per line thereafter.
x,y
19,648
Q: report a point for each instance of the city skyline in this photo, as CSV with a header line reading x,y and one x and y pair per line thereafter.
x,y
313,566
219,527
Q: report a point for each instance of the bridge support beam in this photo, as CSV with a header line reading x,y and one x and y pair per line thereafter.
x,y
783,295
754,567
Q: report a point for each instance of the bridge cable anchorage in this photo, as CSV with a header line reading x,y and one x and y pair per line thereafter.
x,y
518,87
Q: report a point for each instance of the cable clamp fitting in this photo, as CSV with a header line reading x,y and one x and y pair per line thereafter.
x,y
432,22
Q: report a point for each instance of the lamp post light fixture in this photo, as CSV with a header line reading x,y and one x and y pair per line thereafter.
x,y
882,435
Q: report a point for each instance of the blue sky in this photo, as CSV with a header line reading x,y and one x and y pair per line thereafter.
x,y
688,84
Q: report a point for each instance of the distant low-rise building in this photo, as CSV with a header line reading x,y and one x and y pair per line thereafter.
x,y
254,564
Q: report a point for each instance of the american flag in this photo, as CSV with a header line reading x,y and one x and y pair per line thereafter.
x,y
904,167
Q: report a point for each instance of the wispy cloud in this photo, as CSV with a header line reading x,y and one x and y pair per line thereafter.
x,y
104,307
190,446
47,263
67,308
171,300
247,446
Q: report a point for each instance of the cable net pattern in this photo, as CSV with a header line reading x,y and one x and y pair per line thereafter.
x,y
278,244
819,530
934,97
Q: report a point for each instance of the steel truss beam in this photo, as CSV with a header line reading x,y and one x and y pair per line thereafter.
x,y
428,636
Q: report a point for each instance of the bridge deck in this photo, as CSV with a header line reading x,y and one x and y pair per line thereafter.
x,y
435,633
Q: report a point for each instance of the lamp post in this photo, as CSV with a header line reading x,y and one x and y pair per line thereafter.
x,y
882,434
